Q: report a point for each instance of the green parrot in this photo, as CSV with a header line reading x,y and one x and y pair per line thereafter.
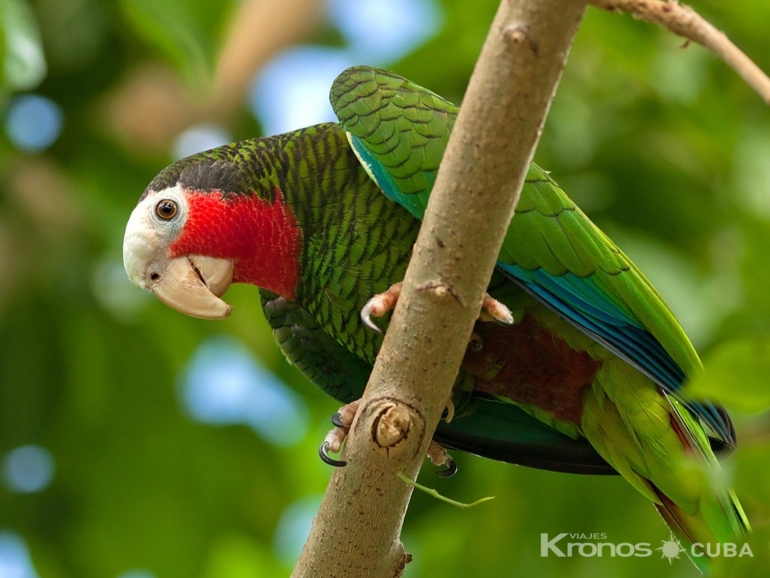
x,y
587,378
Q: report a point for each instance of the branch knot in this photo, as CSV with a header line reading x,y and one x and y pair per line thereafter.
x,y
441,289
516,34
391,428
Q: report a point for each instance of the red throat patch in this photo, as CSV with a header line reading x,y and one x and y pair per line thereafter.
x,y
263,238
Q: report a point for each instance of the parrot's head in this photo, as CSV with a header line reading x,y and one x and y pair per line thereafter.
x,y
198,228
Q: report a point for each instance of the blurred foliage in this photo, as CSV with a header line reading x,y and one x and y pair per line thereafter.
x,y
742,361
666,149
21,55
187,33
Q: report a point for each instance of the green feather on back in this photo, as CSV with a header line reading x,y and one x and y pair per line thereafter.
x,y
398,129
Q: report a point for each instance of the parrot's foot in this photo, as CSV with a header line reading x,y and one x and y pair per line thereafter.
x,y
439,456
493,310
379,305
342,421
333,441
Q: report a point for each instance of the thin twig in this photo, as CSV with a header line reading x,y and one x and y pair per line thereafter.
x,y
434,493
685,22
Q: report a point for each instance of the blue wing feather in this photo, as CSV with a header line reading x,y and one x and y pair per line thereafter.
x,y
578,300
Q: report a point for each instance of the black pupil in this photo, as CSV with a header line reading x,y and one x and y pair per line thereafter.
x,y
166,209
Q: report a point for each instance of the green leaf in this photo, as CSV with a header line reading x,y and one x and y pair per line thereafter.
x,y
187,32
21,52
736,373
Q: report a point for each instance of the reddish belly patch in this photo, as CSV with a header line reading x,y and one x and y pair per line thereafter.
x,y
530,365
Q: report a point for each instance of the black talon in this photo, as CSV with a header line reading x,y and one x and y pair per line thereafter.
x,y
323,453
451,469
337,421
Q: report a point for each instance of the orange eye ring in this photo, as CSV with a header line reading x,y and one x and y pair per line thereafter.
x,y
166,209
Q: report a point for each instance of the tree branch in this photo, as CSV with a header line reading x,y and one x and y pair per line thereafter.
x,y
685,22
356,532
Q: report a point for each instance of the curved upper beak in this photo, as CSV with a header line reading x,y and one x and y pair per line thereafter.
x,y
194,284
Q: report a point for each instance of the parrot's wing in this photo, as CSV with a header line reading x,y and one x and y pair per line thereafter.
x,y
502,431
399,132
487,428
332,367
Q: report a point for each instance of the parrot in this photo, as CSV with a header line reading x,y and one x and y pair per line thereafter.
x,y
586,376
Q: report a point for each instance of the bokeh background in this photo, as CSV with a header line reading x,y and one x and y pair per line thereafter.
x,y
136,442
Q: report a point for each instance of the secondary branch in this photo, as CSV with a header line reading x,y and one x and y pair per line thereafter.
x,y
685,22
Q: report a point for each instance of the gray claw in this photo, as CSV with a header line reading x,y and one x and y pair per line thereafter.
x,y
337,421
451,470
323,452
366,314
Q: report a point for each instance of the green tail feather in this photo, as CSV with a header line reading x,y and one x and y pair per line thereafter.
x,y
695,529
720,517
657,445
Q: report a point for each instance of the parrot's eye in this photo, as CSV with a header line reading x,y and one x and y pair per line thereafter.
x,y
166,209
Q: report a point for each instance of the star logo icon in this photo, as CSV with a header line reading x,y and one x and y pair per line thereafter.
x,y
670,549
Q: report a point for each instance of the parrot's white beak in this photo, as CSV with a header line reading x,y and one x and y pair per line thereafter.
x,y
193,285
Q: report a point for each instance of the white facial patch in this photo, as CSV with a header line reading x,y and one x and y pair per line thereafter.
x,y
148,236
